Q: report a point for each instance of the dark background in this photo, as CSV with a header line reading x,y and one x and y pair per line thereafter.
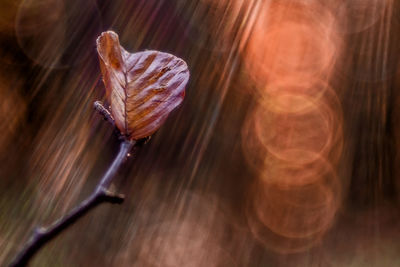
x,y
188,190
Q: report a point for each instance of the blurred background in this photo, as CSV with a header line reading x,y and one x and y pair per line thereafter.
x,y
285,151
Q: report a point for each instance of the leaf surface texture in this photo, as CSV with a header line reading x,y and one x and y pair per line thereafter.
x,y
142,88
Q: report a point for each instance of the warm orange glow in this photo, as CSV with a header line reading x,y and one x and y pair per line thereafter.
x,y
298,211
290,42
295,138
294,135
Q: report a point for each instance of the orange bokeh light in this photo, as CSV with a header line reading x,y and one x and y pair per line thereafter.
x,y
291,42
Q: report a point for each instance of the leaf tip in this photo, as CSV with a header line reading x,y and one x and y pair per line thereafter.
x,y
108,49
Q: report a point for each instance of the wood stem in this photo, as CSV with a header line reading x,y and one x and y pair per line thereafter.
x,y
101,194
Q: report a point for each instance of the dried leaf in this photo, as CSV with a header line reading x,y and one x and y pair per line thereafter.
x,y
142,88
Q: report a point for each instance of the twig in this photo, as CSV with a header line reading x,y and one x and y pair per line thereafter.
x,y
100,195
98,106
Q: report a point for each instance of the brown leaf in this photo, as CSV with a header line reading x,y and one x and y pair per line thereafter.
x,y
142,88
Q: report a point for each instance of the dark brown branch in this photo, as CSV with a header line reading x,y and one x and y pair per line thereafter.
x,y
100,195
